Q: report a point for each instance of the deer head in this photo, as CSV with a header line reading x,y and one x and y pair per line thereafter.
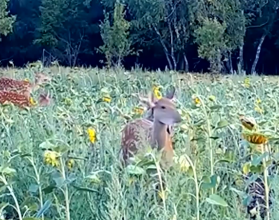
x,y
164,110
40,79
150,114
44,99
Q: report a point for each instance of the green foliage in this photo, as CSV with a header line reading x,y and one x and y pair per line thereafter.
x,y
231,13
163,21
163,31
211,40
116,39
64,28
147,13
6,21
235,14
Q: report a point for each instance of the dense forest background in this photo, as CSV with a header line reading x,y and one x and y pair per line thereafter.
x,y
189,35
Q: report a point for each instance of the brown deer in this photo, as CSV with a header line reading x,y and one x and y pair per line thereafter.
x,y
22,100
141,132
13,85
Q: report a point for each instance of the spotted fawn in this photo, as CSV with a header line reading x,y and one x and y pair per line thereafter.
x,y
13,85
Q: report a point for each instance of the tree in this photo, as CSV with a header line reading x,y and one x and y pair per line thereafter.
x,y
6,21
236,15
166,21
269,13
250,9
64,29
229,11
117,43
225,31
165,31
21,40
212,43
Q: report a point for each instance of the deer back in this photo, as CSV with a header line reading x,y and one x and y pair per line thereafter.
x,y
135,134
10,84
15,85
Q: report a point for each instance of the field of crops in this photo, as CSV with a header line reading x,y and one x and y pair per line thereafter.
x,y
61,161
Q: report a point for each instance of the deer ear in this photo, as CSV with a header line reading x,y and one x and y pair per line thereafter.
x,y
151,100
45,95
170,92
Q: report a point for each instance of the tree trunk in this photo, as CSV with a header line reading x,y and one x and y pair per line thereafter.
x,y
227,63
186,63
230,63
216,63
240,63
164,47
172,47
253,69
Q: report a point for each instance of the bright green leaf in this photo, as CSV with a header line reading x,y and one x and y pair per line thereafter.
x,y
222,123
135,170
216,200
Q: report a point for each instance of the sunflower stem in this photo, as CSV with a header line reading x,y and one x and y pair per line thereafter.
x,y
209,132
264,148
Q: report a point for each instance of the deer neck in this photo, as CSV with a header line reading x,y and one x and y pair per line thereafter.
x,y
34,86
159,135
162,139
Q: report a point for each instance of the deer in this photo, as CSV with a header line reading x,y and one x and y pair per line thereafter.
x,y
140,132
22,100
13,85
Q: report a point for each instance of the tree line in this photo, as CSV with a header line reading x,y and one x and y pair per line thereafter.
x,y
228,36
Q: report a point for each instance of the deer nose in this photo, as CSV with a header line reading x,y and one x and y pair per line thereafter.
x,y
178,118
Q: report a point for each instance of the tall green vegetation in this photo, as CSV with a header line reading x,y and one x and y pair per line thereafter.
x,y
6,21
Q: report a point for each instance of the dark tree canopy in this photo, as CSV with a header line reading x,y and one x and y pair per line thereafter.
x,y
187,35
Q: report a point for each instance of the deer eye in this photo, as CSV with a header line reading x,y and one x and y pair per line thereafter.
x,y
163,107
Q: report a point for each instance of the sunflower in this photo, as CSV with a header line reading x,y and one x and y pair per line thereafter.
x,y
156,92
197,101
51,158
138,110
92,135
70,163
32,102
106,98
248,122
255,138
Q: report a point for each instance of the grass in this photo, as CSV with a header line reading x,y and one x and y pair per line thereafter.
x,y
208,148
